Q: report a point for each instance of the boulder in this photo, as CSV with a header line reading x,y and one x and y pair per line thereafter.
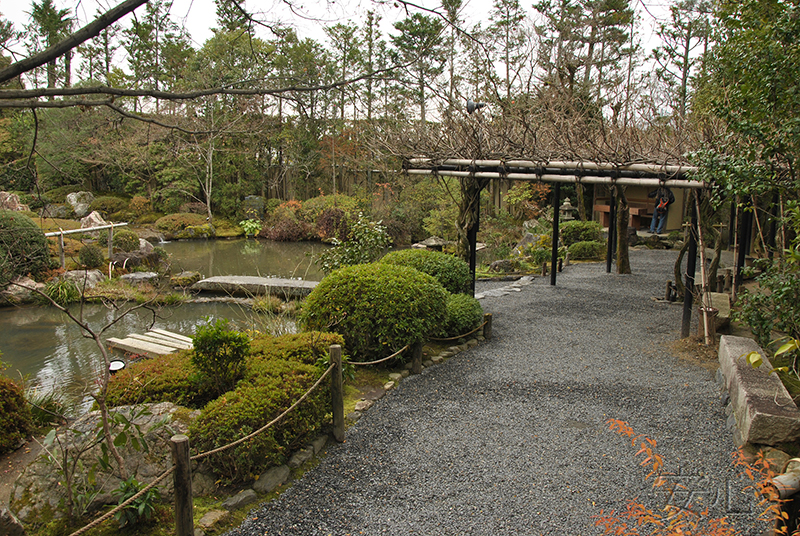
x,y
185,279
502,265
145,246
9,524
38,492
62,212
89,278
271,479
240,500
9,201
94,219
633,237
80,202
19,291
138,278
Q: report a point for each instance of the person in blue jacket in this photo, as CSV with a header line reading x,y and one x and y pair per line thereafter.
x,y
664,198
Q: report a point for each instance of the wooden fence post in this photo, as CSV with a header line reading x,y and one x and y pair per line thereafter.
x,y
487,329
416,358
337,393
182,478
61,251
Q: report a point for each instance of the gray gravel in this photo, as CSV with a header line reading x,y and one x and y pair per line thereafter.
x,y
510,437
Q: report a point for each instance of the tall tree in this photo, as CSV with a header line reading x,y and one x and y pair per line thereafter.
x,y
48,26
509,38
684,42
420,48
346,54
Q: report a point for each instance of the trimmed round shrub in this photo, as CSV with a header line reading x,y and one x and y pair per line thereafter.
x,y
219,354
576,231
91,256
279,371
107,205
464,313
172,223
587,250
15,415
23,247
377,308
285,226
313,208
451,272
126,240
170,378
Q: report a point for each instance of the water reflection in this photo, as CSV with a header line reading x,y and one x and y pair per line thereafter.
x,y
42,344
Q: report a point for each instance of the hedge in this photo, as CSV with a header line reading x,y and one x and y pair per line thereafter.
x,y
23,247
451,272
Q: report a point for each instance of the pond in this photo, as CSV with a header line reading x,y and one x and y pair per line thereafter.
x,y
42,344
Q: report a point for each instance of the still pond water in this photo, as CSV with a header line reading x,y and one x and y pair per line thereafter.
x,y
42,344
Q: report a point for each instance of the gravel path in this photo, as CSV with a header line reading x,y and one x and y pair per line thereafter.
x,y
509,438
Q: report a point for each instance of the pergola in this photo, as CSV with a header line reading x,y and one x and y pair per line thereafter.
x,y
574,172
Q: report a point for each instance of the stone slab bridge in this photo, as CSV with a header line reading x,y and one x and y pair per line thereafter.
x,y
238,285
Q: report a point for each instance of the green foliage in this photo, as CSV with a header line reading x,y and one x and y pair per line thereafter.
x,y
23,247
332,223
366,241
59,195
267,304
587,250
219,354
47,407
539,251
170,378
141,509
173,223
377,308
107,205
91,256
451,272
285,226
773,304
250,227
126,240
279,371
576,231
62,291
313,208
464,313
15,416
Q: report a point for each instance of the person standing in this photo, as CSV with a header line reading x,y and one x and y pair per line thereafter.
x,y
664,198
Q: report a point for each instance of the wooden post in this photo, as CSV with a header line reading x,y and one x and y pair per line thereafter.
x,y
544,269
110,241
487,329
416,358
61,251
668,292
337,393
182,477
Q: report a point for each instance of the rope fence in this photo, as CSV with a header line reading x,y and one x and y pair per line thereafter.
x,y
379,361
460,336
179,443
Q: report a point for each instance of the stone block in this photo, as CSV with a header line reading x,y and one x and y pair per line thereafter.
x,y
764,412
240,500
212,518
300,457
319,443
271,479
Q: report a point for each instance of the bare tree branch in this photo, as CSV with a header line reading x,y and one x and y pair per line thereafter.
x,y
89,31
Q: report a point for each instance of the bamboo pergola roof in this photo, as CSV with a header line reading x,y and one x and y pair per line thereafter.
x,y
584,172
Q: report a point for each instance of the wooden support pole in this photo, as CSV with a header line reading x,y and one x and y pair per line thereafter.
x,y
691,266
337,393
487,329
554,253
416,358
110,241
182,478
61,256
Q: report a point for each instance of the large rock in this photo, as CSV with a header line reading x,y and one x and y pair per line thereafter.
x,y
94,219
62,212
762,409
9,201
10,525
84,278
20,291
80,202
38,493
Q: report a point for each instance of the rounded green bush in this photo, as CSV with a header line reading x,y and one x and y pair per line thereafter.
x,y
172,223
576,231
23,247
377,308
126,240
464,313
91,256
219,354
586,250
15,415
451,272
107,205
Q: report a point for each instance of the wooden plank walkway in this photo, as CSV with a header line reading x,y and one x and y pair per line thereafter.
x,y
152,344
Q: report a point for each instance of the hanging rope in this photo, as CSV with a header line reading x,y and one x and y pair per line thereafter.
x,y
400,351
459,336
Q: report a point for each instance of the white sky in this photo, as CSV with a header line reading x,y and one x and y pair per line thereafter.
x,y
308,16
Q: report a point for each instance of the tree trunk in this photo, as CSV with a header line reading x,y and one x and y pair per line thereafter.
x,y
623,213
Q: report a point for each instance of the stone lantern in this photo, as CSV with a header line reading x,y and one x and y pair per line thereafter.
x,y
567,211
